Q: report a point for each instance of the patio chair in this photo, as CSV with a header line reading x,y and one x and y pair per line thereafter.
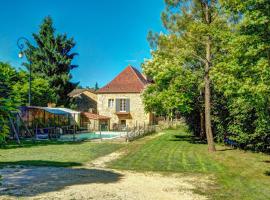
x,y
42,134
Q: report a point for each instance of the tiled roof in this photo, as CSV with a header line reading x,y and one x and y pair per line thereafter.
x,y
94,116
78,91
130,80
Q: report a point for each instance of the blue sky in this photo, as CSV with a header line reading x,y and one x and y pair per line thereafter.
x,y
110,34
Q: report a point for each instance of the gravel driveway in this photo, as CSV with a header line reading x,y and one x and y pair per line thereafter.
x,y
94,181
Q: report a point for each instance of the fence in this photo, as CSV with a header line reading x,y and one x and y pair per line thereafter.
x,y
141,131
165,124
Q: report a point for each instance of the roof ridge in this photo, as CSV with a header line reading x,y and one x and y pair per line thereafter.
x,y
128,80
135,70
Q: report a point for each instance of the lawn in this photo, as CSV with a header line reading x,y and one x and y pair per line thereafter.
x,y
238,174
52,153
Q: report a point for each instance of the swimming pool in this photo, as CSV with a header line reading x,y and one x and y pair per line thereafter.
x,y
89,136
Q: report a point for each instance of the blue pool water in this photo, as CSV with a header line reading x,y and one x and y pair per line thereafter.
x,y
86,136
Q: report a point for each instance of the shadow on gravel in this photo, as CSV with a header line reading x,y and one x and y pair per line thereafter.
x,y
27,181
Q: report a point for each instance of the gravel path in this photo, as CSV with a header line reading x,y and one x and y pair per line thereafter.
x,y
63,183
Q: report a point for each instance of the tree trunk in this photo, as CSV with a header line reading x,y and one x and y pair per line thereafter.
x,y
207,93
202,132
208,124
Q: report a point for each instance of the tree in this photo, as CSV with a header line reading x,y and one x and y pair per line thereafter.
x,y
41,92
198,26
8,99
243,73
51,59
174,86
96,86
14,93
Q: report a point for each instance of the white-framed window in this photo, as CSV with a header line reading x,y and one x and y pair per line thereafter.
x,y
110,103
123,105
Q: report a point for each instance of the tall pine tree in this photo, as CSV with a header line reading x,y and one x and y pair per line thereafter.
x,y
51,58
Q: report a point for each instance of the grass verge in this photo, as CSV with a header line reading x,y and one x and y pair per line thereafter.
x,y
51,153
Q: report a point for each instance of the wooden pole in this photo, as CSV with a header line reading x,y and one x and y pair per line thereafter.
x,y
100,132
17,123
44,117
15,131
24,124
74,127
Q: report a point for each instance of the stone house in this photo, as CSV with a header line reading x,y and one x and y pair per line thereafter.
x,y
121,100
85,100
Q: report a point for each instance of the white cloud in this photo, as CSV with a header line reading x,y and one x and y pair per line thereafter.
x,y
131,61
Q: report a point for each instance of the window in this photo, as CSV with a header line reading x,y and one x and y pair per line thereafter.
x,y
123,105
110,103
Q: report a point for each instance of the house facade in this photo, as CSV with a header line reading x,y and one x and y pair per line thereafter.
x,y
85,100
121,100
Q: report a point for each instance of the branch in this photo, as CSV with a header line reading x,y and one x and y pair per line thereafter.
x,y
199,58
190,36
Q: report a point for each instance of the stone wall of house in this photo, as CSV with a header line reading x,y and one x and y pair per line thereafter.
x,y
86,102
137,114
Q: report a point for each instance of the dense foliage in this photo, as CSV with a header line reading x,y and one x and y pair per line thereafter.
x,y
195,28
243,75
14,87
51,59
239,70
41,92
50,63
8,99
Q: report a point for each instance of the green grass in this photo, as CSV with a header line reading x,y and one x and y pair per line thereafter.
x,y
52,153
238,174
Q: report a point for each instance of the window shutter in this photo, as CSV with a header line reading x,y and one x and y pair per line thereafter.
x,y
117,105
128,105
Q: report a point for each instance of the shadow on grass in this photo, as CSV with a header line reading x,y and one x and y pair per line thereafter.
x,y
45,163
188,138
29,144
267,173
29,181
226,149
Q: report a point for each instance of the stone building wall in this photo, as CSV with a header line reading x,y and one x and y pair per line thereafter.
x,y
86,102
137,115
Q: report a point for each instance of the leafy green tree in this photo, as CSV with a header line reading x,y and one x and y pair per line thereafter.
x,y
51,59
198,26
41,93
8,99
6,106
14,93
177,83
173,85
242,74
